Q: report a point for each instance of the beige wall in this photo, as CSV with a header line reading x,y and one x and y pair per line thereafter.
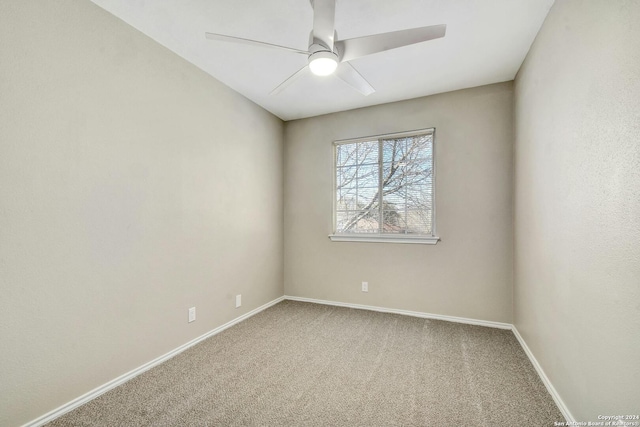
x,y
577,204
132,186
468,273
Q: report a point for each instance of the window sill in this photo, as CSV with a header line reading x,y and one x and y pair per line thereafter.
x,y
384,238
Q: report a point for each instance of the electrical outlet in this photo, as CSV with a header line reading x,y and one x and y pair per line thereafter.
x,y
238,300
192,314
365,286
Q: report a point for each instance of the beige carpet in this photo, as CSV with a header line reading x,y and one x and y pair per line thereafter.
x,y
301,364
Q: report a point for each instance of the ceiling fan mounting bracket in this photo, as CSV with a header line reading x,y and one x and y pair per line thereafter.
x,y
317,45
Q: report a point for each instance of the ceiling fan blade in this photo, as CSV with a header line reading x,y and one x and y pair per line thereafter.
x,y
282,86
222,37
324,14
353,78
360,46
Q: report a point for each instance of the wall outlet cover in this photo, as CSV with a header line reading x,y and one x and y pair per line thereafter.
x,y
238,300
192,314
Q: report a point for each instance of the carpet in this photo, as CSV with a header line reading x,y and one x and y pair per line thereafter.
x,y
304,364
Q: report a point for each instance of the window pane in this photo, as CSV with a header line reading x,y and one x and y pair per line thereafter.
x,y
367,198
346,191
346,177
346,199
418,197
419,221
403,149
406,171
394,197
407,184
346,155
359,221
368,176
394,221
367,221
342,219
368,152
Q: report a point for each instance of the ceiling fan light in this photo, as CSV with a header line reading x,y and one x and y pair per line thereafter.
x,y
323,63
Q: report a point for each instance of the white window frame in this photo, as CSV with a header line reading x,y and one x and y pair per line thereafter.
x,y
387,237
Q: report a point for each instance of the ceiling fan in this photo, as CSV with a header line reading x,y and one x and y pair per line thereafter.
x,y
325,51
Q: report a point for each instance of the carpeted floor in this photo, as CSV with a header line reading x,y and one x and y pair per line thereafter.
x,y
302,364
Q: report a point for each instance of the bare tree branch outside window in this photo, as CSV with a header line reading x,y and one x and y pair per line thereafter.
x,y
385,185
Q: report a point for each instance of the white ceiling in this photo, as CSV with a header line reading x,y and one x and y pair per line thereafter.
x,y
486,42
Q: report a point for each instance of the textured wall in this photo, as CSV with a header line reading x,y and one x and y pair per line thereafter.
x,y
468,273
577,204
132,186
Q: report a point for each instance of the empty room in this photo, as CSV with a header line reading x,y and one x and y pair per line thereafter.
x,y
320,213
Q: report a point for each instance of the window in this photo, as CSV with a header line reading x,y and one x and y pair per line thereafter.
x,y
384,189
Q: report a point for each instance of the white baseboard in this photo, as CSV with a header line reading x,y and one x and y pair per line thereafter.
x,y
545,380
477,322
67,407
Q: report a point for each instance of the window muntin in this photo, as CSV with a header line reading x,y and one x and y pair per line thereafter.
x,y
384,186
